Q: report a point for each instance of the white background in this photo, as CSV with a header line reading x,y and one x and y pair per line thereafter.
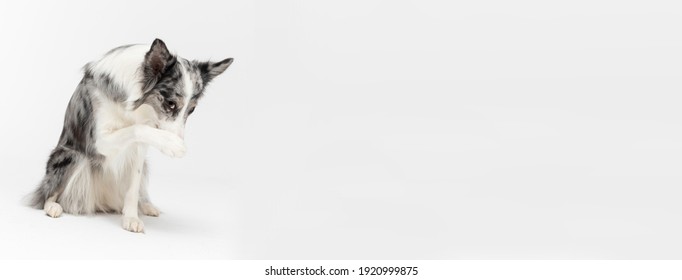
x,y
372,129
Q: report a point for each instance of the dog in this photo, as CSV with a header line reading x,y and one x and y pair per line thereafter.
x,y
134,97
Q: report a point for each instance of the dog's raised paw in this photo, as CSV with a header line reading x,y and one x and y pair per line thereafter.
x,y
174,151
173,146
149,209
53,209
133,224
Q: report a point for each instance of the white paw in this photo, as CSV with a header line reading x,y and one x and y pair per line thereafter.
x,y
53,209
149,209
172,145
133,224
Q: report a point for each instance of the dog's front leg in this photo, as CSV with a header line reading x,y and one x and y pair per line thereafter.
x,y
130,219
167,142
111,143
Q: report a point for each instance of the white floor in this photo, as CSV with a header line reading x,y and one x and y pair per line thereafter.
x,y
207,216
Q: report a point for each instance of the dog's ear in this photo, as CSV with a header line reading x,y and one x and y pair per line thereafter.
x,y
210,70
157,60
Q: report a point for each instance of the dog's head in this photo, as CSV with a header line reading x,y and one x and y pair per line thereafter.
x,y
172,85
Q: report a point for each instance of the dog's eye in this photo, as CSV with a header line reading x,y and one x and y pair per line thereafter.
x,y
171,105
190,111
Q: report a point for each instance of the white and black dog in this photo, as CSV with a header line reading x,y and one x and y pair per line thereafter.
x,y
134,97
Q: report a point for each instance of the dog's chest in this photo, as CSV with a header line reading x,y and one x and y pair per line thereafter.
x,y
112,116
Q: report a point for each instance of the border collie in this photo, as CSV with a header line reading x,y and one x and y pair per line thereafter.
x,y
134,97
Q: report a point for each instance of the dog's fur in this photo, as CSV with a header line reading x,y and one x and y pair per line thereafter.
x,y
135,96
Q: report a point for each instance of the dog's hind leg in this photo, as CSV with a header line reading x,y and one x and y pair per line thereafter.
x,y
146,206
59,168
52,208
149,209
